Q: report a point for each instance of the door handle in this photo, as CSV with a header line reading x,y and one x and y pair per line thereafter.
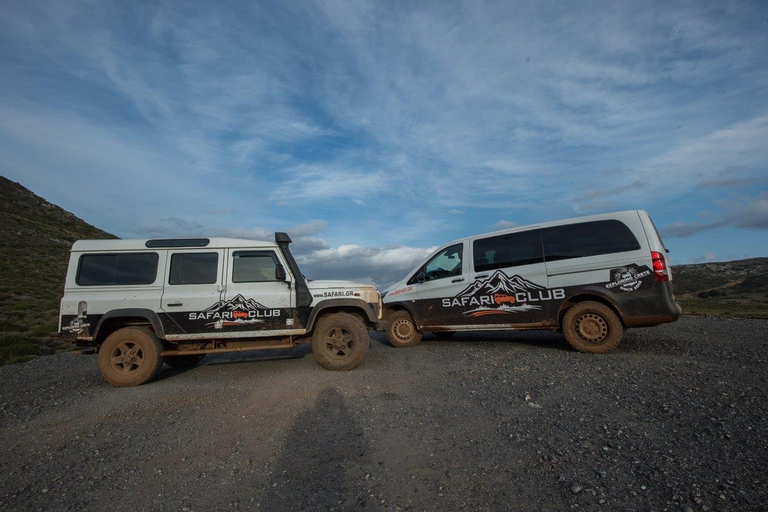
x,y
174,304
481,276
458,280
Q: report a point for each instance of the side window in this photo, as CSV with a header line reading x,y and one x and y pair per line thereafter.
x,y
117,269
194,268
253,266
446,263
587,239
507,250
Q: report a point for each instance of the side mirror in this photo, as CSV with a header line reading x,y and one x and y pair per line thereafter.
x,y
421,277
280,272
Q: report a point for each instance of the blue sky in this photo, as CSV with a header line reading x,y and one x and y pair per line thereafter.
x,y
375,131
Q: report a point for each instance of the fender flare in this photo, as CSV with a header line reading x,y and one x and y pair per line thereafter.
x,y
365,307
133,313
409,307
589,292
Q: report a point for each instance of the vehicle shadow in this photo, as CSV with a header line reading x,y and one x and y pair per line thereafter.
x,y
234,358
322,465
296,352
532,339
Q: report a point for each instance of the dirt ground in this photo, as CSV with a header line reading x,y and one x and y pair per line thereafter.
x,y
674,419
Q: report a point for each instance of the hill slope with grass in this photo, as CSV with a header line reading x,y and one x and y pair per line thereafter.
x,y
35,237
728,288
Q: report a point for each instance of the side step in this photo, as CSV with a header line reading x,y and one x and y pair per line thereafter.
x,y
171,353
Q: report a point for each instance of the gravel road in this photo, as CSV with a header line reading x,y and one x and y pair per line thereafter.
x,y
674,419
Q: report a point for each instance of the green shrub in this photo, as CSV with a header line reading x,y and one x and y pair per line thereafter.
x,y
15,338
44,329
5,325
20,349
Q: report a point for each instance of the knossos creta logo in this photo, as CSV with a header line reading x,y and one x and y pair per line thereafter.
x,y
628,279
501,295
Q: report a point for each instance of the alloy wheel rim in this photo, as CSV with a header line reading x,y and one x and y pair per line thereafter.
x,y
127,357
339,343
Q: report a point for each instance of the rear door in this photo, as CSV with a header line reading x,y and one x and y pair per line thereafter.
x,y
193,290
256,299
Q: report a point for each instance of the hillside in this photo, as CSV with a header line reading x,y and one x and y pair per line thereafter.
x,y
729,288
35,236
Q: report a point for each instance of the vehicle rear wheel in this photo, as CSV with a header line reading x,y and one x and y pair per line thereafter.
x,y
401,330
186,361
340,341
592,327
130,356
443,335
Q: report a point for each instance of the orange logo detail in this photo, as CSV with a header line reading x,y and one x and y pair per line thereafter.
x,y
501,298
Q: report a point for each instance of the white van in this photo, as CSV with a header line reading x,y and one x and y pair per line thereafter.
x,y
589,277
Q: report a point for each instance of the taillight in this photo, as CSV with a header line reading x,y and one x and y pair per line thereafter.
x,y
660,271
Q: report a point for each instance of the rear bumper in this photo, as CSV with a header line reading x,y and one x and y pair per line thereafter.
x,y
653,307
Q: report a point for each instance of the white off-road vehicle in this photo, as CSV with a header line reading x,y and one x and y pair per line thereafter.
x,y
140,303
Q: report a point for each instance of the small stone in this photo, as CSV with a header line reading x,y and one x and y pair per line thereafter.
x,y
576,489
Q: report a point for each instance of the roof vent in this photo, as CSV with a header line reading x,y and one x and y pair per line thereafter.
x,y
177,242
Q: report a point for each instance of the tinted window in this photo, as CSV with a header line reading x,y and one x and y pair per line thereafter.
x,y
117,269
194,268
587,239
446,263
253,267
507,250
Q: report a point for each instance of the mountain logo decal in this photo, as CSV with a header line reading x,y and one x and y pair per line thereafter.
x,y
500,294
234,312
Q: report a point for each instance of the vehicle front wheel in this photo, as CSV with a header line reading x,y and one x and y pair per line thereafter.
x,y
130,356
186,361
340,341
592,327
401,330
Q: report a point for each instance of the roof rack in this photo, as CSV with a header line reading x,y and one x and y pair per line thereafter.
x,y
177,242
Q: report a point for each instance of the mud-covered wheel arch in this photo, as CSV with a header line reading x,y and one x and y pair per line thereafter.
x,y
572,301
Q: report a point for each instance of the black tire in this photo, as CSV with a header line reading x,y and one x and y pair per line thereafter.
x,y
443,335
340,341
402,331
187,361
130,356
592,327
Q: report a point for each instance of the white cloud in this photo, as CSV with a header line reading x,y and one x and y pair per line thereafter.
x,y
504,224
704,258
380,265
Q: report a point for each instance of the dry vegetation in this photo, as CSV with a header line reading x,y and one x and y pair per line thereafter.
x,y
731,288
36,237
